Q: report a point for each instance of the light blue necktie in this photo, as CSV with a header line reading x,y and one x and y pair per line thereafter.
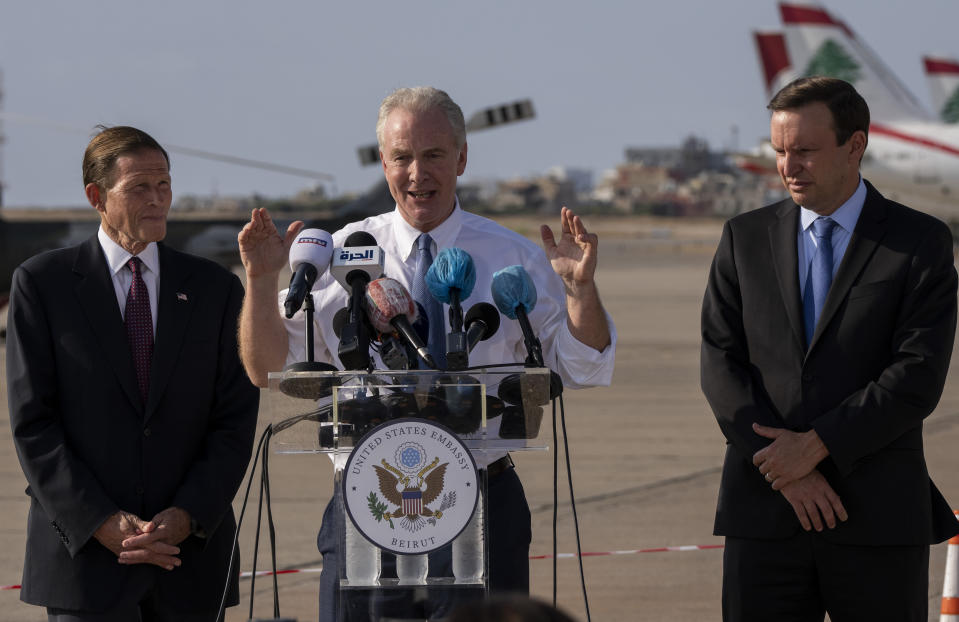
x,y
422,295
820,275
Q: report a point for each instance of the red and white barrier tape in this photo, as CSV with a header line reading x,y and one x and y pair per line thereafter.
x,y
660,549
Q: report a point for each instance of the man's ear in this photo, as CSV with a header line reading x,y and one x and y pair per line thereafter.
x,y
94,196
461,161
857,145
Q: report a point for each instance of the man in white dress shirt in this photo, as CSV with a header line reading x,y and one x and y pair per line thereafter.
x,y
131,414
422,140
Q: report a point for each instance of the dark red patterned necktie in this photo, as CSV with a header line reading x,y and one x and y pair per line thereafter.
x,y
139,325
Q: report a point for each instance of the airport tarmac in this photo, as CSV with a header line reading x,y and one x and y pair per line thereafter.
x,y
646,455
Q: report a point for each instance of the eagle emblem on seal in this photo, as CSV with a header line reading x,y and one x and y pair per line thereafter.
x,y
409,487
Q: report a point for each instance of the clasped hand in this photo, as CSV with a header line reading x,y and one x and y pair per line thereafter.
x,y
136,541
789,457
789,465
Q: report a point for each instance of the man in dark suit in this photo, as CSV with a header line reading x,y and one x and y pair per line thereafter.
x,y
825,345
132,416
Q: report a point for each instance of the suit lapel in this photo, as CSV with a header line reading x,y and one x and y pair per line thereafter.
x,y
98,300
782,238
174,306
862,243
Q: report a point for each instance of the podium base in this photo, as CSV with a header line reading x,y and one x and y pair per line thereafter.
x,y
434,600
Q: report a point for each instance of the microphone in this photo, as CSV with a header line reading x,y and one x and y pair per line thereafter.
x,y
359,261
450,279
359,256
391,308
482,322
339,321
309,256
393,353
515,296
421,324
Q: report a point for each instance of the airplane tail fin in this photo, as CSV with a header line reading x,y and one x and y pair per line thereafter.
x,y
820,44
943,76
773,61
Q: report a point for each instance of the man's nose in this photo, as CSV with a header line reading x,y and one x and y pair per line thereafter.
x,y
418,172
791,164
153,195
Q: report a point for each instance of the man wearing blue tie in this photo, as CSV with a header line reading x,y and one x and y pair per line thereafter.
x,y
827,327
422,139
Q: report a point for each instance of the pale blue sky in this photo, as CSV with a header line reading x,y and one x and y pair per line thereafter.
x,y
298,82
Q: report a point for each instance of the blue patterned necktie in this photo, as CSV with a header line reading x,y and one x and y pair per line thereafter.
x,y
820,275
422,295
139,325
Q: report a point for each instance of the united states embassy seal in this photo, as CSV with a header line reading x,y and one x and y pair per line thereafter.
x,y
410,486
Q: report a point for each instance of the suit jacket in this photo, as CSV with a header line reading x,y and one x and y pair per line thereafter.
x,y
874,370
90,447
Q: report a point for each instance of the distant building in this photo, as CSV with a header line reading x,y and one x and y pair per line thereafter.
x,y
686,181
580,178
723,193
541,195
687,160
634,187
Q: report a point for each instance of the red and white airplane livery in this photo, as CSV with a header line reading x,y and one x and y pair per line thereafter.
x,y
943,75
912,155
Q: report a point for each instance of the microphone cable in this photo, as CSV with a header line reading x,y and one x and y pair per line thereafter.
x,y
262,449
572,501
265,492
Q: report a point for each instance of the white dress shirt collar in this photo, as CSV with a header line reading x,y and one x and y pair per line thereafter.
x,y
117,256
443,236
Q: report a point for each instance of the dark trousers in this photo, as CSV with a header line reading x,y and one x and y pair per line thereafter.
x,y
139,603
509,532
800,579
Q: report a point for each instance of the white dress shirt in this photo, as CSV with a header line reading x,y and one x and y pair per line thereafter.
x,y
117,258
492,247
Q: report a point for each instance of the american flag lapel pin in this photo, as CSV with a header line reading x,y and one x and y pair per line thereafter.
x,y
181,296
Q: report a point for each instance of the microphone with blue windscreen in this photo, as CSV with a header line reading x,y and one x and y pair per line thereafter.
x,y
450,280
515,296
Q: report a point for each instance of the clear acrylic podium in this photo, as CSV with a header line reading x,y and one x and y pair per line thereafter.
x,y
488,411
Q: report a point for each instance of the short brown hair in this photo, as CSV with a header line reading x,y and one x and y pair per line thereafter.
x,y
850,113
108,145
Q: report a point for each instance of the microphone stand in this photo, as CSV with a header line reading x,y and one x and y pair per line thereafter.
x,y
457,355
312,388
535,357
510,387
310,364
